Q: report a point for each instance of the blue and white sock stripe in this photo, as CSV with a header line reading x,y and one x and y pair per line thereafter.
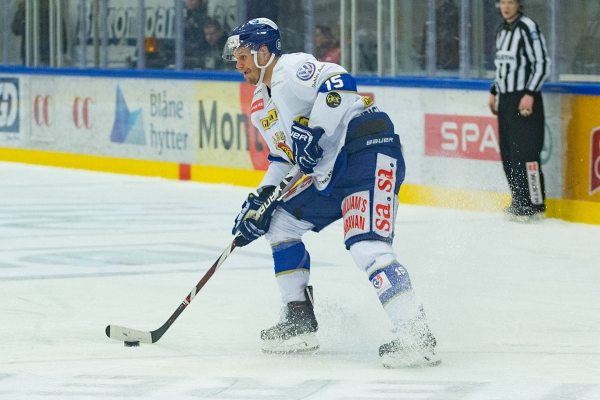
x,y
290,257
390,281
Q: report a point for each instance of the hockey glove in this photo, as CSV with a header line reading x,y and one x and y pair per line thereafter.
x,y
245,223
306,147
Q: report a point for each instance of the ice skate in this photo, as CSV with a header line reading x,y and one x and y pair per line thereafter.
x,y
524,216
414,347
296,329
526,219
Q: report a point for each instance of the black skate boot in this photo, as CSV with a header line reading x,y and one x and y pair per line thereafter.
x,y
296,329
414,346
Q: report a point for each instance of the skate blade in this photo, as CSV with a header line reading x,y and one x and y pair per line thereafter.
x,y
410,360
304,343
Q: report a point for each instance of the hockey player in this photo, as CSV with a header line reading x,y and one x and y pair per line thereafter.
x,y
310,114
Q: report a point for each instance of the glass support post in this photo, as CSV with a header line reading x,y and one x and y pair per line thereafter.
x,y
104,34
465,39
431,39
380,38
554,11
353,38
179,49
82,35
393,61
141,10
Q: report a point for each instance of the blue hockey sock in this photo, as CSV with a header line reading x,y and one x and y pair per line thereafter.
x,y
292,270
390,281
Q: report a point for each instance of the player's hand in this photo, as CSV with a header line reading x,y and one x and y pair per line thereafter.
x,y
526,105
246,223
306,147
492,104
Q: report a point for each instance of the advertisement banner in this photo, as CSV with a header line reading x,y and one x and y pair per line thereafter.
x,y
595,161
130,118
582,169
226,136
462,136
10,104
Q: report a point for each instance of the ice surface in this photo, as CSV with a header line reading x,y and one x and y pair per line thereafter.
x,y
515,308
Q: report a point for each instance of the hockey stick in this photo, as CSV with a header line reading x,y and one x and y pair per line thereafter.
x,y
132,335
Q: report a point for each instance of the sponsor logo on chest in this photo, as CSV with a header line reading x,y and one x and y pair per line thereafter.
x,y
272,116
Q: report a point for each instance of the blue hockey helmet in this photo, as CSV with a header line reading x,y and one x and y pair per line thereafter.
x,y
254,34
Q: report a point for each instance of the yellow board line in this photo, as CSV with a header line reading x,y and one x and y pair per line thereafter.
x,y
163,169
568,210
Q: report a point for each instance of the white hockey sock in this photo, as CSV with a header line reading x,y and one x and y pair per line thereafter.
x,y
291,286
389,279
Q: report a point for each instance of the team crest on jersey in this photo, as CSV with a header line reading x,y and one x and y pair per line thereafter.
x,y
279,140
333,99
278,137
286,149
272,116
306,71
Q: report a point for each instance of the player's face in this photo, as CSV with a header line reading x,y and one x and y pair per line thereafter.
x,y
245,64
509,9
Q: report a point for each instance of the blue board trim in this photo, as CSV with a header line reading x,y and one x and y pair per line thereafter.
x,y
591,89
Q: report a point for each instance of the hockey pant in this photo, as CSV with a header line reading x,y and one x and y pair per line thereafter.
x,y
521,142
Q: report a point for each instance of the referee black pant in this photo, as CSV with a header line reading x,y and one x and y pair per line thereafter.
x,y
521,142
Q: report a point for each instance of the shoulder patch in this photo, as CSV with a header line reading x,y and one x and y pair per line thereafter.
x,y
333,99
534,35
306,71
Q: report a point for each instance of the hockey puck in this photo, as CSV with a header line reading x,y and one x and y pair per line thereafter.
x,y
132,344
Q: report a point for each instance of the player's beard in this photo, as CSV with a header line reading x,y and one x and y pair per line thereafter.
x,y
252,77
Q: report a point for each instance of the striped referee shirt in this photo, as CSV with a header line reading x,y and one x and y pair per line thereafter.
x,y
522,61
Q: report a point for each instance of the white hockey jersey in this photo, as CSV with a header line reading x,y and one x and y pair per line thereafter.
x,y
317,94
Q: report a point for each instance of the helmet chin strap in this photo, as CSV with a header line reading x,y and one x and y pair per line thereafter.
x,y
263,68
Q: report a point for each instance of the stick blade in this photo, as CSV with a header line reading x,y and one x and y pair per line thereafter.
x,y
128,335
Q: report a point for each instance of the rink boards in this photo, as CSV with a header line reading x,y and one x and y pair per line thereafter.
x,y
200,130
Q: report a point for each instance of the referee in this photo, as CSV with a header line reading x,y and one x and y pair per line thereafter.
x,y
522,65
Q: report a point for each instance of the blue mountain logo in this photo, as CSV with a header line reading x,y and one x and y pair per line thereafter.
x,y
129,125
